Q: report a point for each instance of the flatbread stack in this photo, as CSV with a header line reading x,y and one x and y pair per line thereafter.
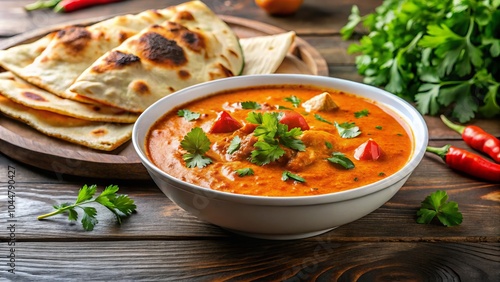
x,y
88,84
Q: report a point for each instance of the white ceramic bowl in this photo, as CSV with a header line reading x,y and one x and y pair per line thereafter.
x,y
280,217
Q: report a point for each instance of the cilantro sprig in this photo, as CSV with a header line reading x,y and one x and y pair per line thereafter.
x,y
436,205
271,134
196,143
286,175
294,100
188,115
341,159
347,129
440,54
120,205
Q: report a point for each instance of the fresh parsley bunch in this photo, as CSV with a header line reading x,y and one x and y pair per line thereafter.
x,y
441,54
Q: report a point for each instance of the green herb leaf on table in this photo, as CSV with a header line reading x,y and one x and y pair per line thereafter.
x,y
286,175
196,143
188,115
120,205
244,172
341,159
294,100
250,105
347,129
436,205
234,145
440,54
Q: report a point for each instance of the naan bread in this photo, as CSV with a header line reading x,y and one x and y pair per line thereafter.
x,y
95,135
264,54
193,47
60,57
22,92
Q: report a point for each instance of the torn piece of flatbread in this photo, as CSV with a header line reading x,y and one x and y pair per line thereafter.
x,y
162,59
95,135
22,92
60,57
264,54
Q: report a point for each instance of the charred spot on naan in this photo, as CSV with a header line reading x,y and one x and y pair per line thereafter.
x,y
76,38
160,50
116,60
33,96
185,15
184,74
140,87
99,132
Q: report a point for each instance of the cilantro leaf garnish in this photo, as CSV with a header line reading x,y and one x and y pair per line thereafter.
x,y
294,100
271,134
340,159
378,127
347,129
437,205
244,172
320,118
188,115
328,145
234,145
119,205
362,113
288,175
250,105
196,143
444,58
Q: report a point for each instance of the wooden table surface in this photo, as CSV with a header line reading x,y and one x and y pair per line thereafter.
x,y
162,242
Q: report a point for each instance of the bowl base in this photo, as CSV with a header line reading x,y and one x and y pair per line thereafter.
x,y
267,236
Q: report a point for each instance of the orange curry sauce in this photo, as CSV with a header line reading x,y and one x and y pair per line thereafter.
x,y
321,176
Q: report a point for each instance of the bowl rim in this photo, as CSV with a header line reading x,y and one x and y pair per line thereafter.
x,y
414,119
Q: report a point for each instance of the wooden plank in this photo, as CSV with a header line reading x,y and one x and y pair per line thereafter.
x,y
241,259
157,217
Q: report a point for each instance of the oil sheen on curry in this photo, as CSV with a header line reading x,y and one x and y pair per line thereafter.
x,y
291,140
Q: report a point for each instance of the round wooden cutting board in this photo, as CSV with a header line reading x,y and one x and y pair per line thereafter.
x,y
26,145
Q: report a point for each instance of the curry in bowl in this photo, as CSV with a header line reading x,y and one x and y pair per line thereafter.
x,y
287,140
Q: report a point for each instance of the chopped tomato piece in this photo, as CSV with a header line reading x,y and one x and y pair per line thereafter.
x,y
369,150
293,120
225,123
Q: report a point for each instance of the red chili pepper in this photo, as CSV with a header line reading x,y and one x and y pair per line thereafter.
x,y
66,6
293,119
225,123
368,151
477,138
468,162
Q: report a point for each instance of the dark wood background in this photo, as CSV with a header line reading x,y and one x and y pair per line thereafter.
x,y
162,242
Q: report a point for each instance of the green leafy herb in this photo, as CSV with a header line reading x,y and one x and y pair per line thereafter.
x,y
244,172
271,134
320,118
347,129
437,205
119,205
381,173
196,143
440,54
250,105
362,113
328,145
341,159
288,175
234,145
378,127
188,115
294,100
